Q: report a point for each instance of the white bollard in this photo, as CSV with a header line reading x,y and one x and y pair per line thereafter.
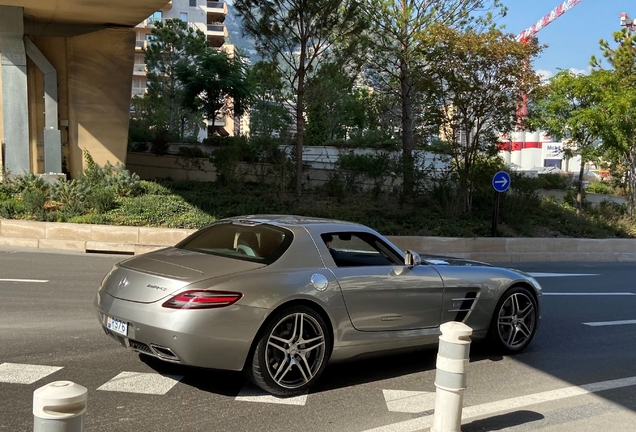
x,y
59,407
450,378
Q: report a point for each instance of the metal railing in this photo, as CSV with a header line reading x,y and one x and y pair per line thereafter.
x,y
138,91
140,43
139,68
215,5
216,28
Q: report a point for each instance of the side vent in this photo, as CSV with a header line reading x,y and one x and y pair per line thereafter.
x,y
467,305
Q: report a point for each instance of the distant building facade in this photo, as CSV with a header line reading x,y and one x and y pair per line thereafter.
x,y
207,16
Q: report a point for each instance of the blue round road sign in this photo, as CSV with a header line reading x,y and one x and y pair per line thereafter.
x,y
501,181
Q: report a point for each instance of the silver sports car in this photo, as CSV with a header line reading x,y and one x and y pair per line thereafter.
x,y
280,296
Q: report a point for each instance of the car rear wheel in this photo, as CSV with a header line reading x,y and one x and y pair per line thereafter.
x,y
514,322
292,352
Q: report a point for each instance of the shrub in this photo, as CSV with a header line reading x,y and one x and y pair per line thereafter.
x,y
552,181
102,199
600,188
153,188
159,142
34,200
66,192
29,181
120,181
11,208
377,167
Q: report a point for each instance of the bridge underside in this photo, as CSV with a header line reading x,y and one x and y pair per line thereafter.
x,y
65,79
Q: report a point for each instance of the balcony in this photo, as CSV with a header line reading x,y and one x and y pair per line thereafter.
x,y
216,11
138,91
148,23
216,34
139,69
140,45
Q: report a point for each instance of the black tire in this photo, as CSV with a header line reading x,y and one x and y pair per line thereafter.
x,y
514,321
281,363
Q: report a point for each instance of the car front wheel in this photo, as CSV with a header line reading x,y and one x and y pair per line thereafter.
x,y
514,322
292,352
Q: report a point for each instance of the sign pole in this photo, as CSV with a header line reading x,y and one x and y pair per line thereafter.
x,y
500,183
495,214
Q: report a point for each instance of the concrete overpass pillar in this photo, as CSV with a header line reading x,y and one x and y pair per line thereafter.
x,y
15,110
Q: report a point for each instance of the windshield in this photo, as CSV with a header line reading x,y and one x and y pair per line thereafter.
x,y
251,242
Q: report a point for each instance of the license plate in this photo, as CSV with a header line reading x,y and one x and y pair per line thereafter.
x,y
117,326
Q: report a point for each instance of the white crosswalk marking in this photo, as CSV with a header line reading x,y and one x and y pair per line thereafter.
x,y
409,401
253,394
145,383
16,373
609,323
25,280
540,275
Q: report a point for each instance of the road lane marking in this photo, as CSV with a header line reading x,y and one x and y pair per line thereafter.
x,y
25,280
409,401
609,323
145,383
425,422
16,373
253,394
591,294
536,275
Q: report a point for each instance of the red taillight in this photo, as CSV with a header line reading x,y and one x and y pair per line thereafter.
x,y
197,299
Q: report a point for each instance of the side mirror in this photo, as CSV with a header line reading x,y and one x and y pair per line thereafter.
x,y
412,259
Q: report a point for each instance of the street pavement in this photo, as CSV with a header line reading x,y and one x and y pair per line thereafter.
x,y
579,374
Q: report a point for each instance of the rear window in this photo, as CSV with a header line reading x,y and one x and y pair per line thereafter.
x,y
255,242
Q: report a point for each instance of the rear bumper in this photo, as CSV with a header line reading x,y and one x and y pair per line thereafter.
x,y
210,338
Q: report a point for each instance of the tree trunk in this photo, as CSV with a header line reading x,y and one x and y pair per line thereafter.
x,y
579,195
300,124
407,131
299,140
173,97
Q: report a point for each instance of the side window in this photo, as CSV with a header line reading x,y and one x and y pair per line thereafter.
x,y
351,249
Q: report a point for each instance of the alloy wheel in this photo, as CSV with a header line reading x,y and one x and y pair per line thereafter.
x,y
295,350
516,321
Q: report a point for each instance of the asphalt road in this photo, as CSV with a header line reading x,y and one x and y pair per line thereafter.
x,y
52,324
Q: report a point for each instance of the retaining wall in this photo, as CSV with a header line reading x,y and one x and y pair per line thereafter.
x,y
137,240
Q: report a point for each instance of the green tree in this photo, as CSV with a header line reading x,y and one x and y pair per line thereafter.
x,y
474,92
396,46
215,84
619,102
334,106
174,45
569,109
269,115
296,36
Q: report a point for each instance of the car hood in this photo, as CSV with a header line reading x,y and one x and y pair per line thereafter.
x,y
153,276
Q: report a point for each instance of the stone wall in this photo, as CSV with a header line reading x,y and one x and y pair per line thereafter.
x,y
136,240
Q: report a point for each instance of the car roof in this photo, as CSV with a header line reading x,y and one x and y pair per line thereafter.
x,y
293,221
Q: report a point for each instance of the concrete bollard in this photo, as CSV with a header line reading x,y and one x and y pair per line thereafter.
x,y
59,407
450,378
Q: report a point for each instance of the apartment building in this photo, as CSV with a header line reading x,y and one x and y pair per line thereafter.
x,y
207,16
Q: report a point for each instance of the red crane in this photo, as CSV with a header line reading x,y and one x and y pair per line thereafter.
x,y
520,138
525,35
626,21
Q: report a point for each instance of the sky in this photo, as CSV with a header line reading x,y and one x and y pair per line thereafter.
x,y
572,38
